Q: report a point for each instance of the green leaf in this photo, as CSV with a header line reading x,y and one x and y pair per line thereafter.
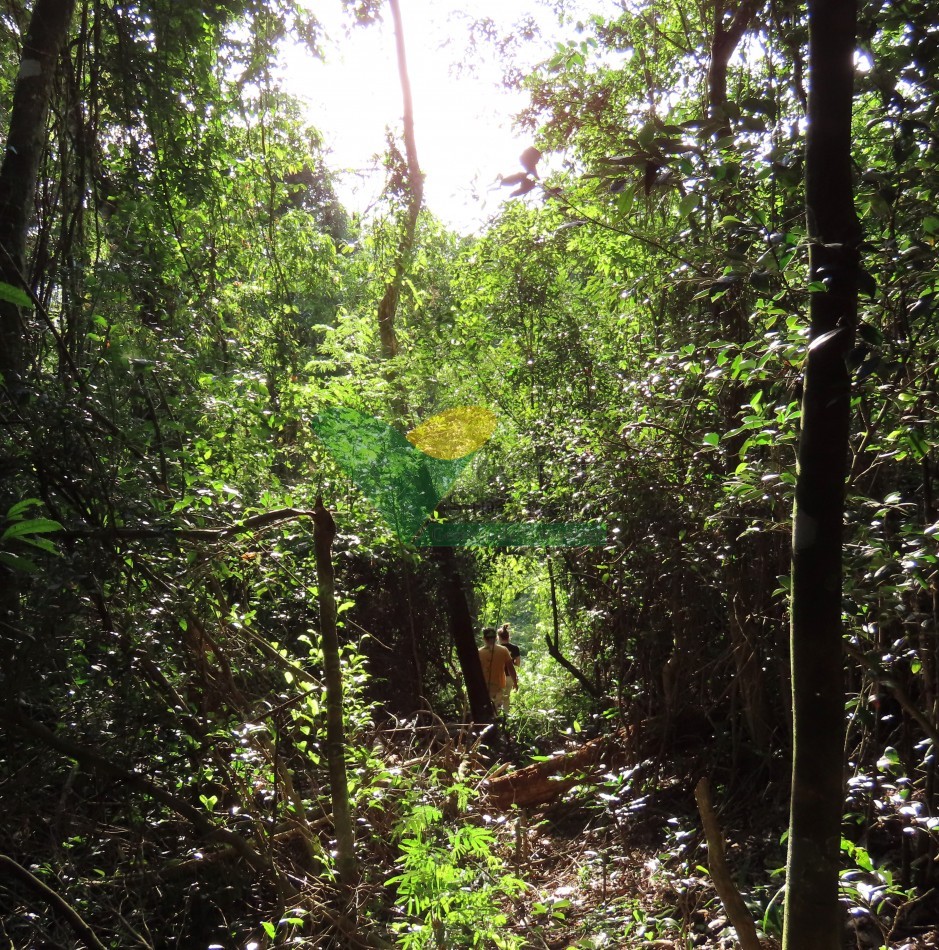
x,y
646,134
32,526
14,295
43,544
889,760
688,204
863,859
22,565
21,506
918,445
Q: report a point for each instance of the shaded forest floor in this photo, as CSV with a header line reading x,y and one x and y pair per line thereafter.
x,y
621,861
624,875
618,860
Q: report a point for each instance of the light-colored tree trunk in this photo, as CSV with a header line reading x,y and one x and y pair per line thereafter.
x,y
388,305
461,622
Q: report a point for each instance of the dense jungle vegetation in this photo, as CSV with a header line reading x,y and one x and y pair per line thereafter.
x,y
240,708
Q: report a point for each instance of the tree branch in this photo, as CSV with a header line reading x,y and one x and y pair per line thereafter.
x,y
82,930
736,910
262,520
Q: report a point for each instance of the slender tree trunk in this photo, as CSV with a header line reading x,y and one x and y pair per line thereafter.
x,y
461,629
19,171
554,645
461,624
813,915
388,305
324,530
734,904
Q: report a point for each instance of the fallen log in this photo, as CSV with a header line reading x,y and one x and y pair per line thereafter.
x,y
542,782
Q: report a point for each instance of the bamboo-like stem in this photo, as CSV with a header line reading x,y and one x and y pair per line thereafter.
x,y
324,531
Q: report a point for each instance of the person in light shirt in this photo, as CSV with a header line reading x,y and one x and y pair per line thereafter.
x,y
505,641
498,668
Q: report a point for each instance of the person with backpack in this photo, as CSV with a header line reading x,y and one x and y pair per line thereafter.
x,y
498,669
516,654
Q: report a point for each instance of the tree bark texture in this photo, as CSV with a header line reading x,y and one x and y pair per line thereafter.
x,y
48,29
813,919
324,531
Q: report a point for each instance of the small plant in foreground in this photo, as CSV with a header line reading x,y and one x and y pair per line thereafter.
x,y
452,885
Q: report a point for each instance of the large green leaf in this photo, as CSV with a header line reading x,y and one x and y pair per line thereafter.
x,y
12,294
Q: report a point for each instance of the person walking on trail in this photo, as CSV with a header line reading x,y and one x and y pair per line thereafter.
x,y
505,641
498,668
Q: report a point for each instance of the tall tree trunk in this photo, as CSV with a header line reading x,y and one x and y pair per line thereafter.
x,y
813,916
461,623
324,530
728,32
19,172
25,142
461,629
388,305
